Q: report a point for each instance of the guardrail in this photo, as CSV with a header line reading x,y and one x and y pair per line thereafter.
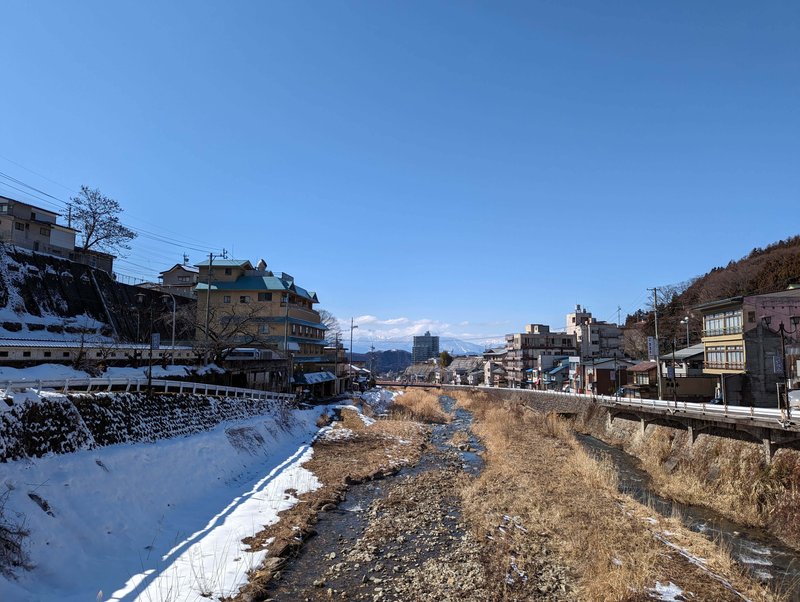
x,y
688,408
89,385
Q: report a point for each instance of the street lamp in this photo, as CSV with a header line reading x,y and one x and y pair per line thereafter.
x,y
140,297
782,331
686,321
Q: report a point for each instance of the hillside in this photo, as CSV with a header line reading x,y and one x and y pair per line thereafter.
x,y
46,297
766,270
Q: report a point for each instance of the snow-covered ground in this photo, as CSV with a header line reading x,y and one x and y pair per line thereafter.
x,y
161,521
58,371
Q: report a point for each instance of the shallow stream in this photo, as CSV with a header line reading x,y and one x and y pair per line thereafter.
x,y
342,527
758,551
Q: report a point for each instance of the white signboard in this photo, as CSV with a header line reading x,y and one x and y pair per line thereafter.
x,y
652,348
156,340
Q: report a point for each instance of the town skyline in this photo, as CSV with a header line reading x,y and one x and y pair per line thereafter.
x,y
356,149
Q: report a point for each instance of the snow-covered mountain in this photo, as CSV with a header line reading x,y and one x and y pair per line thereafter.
x,y
451,345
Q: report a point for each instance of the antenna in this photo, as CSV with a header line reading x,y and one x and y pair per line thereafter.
x,y
185,259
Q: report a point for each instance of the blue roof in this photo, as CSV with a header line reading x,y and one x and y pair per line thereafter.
x,y
259,283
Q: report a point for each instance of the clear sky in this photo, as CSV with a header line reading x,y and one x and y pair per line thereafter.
x,y
460,166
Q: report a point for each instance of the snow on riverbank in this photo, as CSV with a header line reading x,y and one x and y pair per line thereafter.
x,y
156,521
59,371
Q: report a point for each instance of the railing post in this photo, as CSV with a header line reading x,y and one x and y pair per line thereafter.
x,y
66,385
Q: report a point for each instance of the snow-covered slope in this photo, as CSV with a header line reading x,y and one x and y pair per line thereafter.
x,y
155,521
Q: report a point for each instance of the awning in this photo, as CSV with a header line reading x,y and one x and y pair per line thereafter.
x,y
313,378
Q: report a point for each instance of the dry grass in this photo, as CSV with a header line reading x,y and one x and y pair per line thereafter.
x,y
419,404
727,475
539,474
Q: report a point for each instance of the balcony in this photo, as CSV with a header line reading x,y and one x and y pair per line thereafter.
x,y
732,366
718,332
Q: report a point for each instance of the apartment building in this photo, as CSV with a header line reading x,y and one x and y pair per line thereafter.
x,y
529,354
594,338
259,307
425,347
31,227
750,344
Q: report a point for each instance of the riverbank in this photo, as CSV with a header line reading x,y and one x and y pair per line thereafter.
x,y
538,480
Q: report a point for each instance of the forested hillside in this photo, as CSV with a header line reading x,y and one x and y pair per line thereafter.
x,y
766,270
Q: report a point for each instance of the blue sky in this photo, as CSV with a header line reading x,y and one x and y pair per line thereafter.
x,y
459,166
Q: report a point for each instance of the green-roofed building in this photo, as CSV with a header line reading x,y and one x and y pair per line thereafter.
x,y
255,307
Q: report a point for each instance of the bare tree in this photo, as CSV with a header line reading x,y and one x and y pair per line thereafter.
x,y
97,217
229,327
332,324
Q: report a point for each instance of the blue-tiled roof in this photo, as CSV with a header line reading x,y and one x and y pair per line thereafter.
x,y
260,283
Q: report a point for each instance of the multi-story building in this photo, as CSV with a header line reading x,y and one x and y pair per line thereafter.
x,y
31,227
530,353
256,307
425,347
750,345
594,338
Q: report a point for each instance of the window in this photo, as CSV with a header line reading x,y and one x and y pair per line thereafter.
x,y
263,329
44,231
26,354
3,207
265,296
724,322
228,271
19,226
47,353
226,299
751,316
244,298
183,279
65,354
730,357
3,353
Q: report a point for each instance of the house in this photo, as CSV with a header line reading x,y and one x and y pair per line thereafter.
x,y
531,353
750,346
31,227
494,374
643,380
242,305
461,367
604,375
180,279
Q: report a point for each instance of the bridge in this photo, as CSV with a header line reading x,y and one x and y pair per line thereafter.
x,y
771,427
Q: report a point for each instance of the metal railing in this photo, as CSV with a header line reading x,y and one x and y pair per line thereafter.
x,y
90,385
688,408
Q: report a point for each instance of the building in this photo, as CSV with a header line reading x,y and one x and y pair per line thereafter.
x,y
180,279
642,381
31,227
594,338
750,345
529,354
425,347
494,374
255,307
683,377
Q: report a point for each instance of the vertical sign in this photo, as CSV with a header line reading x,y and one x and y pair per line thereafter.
x,y
652,348
156,340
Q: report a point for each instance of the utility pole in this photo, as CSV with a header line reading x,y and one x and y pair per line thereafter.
x,y
658,347
336,365
350,366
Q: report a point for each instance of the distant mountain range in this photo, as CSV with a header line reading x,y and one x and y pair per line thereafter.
x,y
451,345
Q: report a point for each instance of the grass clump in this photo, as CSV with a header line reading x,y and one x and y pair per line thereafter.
x,y
421,405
